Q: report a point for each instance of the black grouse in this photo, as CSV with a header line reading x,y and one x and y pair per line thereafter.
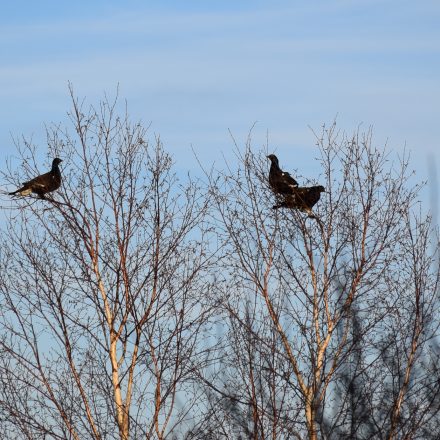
x,y
280,181
43,184
302,198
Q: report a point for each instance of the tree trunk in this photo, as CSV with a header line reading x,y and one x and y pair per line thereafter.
x,y
311,420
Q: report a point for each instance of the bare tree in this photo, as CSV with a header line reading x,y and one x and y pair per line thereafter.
x,y
338,314
135,304
103,288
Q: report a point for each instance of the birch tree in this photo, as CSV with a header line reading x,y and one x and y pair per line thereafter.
x,y
334,320
102,287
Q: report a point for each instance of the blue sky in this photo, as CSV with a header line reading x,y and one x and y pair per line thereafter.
x,y
195,69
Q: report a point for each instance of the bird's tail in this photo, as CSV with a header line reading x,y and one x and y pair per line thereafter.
x,y
280,205
21,192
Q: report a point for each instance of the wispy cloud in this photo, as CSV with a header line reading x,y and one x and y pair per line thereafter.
x,y
197,73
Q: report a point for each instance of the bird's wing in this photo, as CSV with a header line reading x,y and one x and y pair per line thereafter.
x,y
289,179
40,181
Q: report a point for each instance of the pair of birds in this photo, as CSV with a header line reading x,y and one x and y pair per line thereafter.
x,y
292,195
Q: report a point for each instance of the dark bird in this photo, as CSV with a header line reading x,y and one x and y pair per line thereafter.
x,y
43,184
302,198
280,181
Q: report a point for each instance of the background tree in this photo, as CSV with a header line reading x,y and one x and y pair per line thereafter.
x,y
102,288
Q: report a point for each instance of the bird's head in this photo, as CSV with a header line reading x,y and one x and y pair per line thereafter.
x,y
320,188
273,158
56,161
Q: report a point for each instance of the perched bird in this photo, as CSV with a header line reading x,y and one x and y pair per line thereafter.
x,y
302,198
43,184
280,181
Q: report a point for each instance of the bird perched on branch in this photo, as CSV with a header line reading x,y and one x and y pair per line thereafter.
x,y
43,184
302,198
280,181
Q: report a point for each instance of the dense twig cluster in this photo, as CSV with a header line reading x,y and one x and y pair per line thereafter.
x,y
135,304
